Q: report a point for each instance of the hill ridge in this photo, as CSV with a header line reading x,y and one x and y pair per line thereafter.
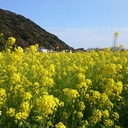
x,y
27,32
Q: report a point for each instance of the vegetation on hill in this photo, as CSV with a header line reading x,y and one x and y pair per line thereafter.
x,y
27,32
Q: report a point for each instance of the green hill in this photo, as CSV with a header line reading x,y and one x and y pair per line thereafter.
x,y
27,32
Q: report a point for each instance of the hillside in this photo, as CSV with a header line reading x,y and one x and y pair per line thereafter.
x,y
27,32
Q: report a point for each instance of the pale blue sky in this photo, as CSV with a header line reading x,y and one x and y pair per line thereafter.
x,y
79,23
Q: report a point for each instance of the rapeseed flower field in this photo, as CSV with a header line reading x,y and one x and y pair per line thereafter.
x,y
63,90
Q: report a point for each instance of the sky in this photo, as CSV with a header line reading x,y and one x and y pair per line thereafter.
x,y
79,23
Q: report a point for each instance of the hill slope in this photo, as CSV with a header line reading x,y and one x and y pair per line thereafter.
x,y
27,32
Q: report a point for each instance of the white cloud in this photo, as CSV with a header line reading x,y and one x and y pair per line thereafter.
x,y
94,37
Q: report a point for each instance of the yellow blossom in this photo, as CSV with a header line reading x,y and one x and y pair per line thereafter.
x,y
81,77
116,126
25,106
65,115
115,115
39,118
96,116
108,123
27,96
15,78
1,34
85,123
19,50
60,125
49,123
18,116
0,113
71,93
32,48
116,34
11,112
3,96
105,113
47,104
11,40
81,105
82,86
121,46
79,114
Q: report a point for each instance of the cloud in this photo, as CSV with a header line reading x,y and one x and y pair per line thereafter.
x,y
93,37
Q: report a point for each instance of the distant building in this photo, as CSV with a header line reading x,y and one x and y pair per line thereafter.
x,y
44,50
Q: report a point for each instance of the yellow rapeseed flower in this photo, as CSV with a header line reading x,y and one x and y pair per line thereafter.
x,y
11,112
71,93
19,50
32,48
116,126
65,115
79,114
0,113
3,96
1,34
60,125
121,46
107,49
81,105
82,86
116,34
85,123
15,78
47,104
105,113
115,115
96,116
27,96
25,106
18,116
11,40
81,77
108,123
39,118
49,123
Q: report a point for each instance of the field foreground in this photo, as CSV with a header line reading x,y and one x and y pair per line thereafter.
x,y
63,90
